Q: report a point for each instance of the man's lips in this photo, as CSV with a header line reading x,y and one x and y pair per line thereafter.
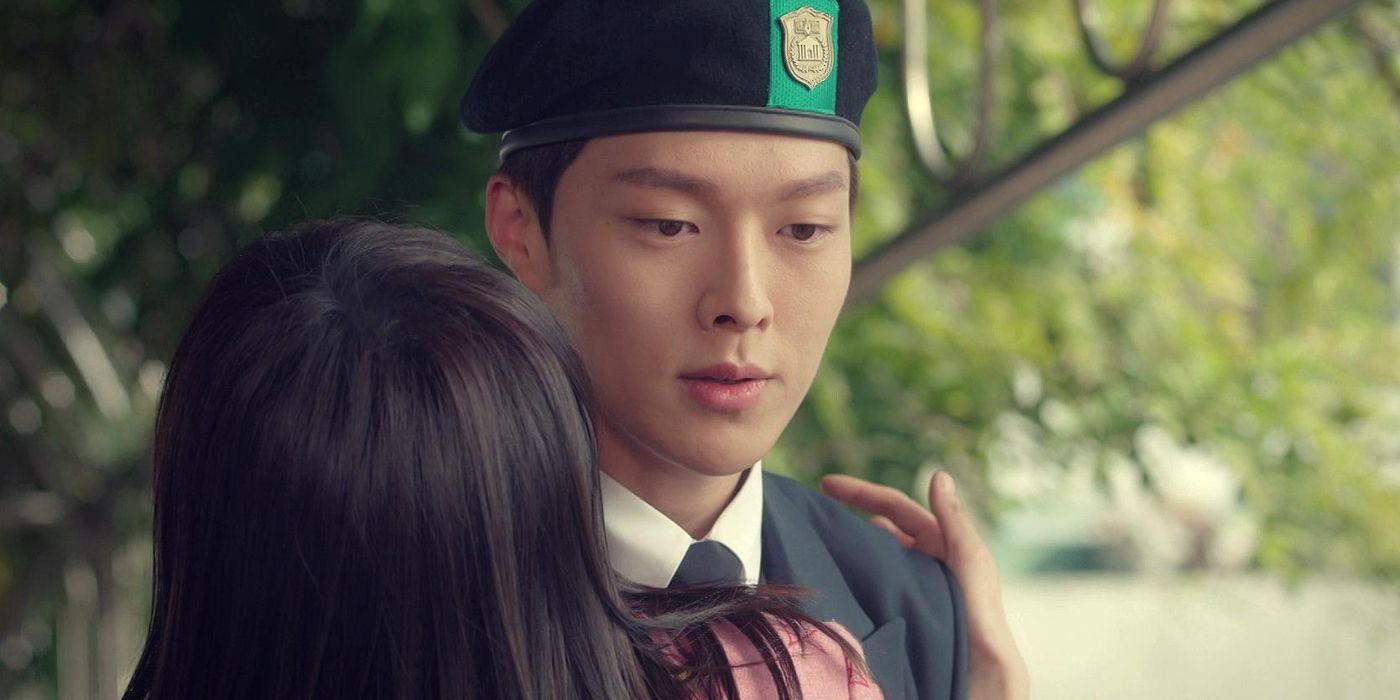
x,y
728,372
727,388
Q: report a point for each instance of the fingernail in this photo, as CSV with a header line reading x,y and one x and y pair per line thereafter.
x,y
945,483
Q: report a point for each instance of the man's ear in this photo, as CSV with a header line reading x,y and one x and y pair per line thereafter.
x,y
514,228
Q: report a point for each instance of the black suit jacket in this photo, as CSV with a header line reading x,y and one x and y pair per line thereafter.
x,y
905,607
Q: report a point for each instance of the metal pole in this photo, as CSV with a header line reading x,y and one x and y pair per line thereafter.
x,y
1248,42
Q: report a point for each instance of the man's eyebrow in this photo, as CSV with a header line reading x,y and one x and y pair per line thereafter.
x,y
829,181
662,179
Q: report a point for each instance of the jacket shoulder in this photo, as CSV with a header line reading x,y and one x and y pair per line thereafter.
x,y
868,557
890,583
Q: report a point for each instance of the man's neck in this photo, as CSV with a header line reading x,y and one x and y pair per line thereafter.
x,y
691,500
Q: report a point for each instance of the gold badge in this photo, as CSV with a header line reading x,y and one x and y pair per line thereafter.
x,y
807,47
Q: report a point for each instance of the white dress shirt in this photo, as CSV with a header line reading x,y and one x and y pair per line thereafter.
x,y
647,547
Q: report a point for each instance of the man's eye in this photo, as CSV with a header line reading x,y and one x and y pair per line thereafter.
x,y
667,227
804,232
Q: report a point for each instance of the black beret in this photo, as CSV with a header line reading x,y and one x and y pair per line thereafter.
x,y
572,69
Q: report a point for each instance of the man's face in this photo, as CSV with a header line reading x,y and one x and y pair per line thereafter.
x,y
700,274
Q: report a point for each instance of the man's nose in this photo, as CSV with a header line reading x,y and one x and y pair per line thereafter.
x,y
736,296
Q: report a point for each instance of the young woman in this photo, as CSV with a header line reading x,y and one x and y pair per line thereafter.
x,y
375,477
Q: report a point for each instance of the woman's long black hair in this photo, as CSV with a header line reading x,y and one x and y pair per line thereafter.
x,y
375,477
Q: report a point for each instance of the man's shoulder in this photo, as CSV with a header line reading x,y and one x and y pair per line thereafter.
x,y
822,511
860,549
912,600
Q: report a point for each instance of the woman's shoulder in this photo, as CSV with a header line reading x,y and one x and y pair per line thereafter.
x,y
824,671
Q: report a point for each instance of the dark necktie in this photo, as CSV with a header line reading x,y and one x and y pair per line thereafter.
x,y
708,562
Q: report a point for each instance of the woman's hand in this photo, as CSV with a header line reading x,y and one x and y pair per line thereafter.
x,y
996,669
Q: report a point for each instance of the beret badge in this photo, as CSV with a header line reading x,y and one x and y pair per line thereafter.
x,y
807,45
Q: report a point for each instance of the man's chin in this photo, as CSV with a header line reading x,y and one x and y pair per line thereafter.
x,y
702,448
721,450
718,460
720,470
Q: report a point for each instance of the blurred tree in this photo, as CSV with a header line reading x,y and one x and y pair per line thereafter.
x,y
1228,282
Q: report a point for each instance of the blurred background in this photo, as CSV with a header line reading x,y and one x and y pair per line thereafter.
x,y
1130,270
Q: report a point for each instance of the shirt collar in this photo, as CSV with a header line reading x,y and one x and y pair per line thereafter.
x,y
647,547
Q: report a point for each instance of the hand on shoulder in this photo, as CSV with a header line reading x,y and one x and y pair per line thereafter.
x,y
996,669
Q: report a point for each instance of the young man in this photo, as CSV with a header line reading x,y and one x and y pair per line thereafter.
x,y
677,184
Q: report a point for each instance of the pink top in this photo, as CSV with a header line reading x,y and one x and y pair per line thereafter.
x,y
823,671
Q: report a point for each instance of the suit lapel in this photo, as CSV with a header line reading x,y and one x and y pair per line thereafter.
x,y
794,553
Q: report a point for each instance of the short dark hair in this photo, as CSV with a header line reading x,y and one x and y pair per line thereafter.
x,y
375,476
537,170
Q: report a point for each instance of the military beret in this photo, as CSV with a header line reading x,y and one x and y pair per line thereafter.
x,y
575,69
